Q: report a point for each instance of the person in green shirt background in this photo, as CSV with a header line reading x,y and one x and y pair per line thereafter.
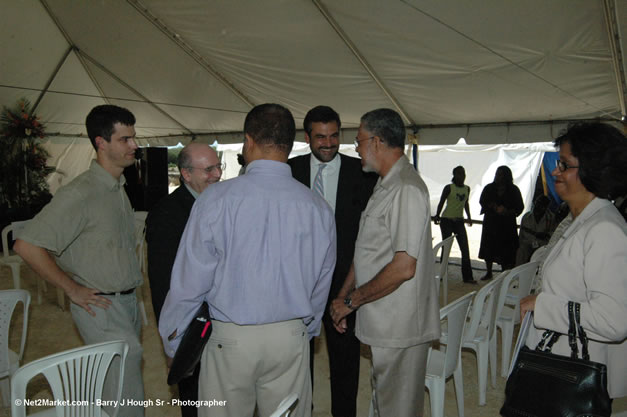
x,y
456,196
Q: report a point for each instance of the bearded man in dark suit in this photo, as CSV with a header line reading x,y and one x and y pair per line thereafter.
x,y
200,167
343,184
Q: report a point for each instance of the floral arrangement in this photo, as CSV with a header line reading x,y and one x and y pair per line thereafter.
x,y
23,169
19,122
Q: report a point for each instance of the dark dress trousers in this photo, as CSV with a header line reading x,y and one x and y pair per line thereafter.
x,y
353,191
164,227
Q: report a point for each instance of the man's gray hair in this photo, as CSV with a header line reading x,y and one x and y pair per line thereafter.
x,y
386,124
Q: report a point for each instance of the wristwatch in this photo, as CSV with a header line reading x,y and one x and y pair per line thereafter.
x,y
348,301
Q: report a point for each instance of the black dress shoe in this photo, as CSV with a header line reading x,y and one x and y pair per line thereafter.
x,y
470,281
486,277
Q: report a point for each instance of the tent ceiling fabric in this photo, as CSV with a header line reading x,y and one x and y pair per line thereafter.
x,y
193,67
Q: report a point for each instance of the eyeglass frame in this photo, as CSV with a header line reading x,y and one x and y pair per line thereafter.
x,y
563,166
221,167
357,142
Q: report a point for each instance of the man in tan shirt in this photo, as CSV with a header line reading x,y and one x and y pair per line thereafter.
x,y
83,242
391,281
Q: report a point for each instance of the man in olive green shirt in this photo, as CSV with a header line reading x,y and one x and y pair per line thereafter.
x,y
83,242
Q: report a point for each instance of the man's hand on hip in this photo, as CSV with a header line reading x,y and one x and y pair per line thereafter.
x,y
84,296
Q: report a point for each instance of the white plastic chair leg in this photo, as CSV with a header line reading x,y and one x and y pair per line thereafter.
x,y
437,389
41,285
507,334
5,391
15,273
61,299
142,310
458,378
482,368
492,357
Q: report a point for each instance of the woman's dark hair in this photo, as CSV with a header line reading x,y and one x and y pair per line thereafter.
x,y
457,169
506,173
601,150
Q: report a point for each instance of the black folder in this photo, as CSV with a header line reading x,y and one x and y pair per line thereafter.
x,y
192,344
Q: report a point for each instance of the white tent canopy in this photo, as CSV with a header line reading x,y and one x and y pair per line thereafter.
x,y
488,71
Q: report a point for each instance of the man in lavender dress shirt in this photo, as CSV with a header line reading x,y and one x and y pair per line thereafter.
x,y
260,249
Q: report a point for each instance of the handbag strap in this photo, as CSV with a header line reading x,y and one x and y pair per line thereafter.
x,y
549,337
572,330
583,338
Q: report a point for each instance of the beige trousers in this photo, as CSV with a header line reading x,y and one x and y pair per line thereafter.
x,y
260,365
121,321
398,380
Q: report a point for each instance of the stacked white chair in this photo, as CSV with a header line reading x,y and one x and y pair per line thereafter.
x,y
285,407
75,375
516,285
442,273
10,360
15,262
480,332
442,364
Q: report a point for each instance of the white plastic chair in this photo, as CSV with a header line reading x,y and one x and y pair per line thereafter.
x,y
480,332
516,285
442,364
140,239
442,274
9,360
284,408
74,375
15,262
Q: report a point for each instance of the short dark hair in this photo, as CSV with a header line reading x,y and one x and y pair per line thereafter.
x,y
101,119
386,124
320,114
271,124
601,150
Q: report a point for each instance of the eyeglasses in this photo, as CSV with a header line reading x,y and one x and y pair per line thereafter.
x,y
563,166
220,167
358,141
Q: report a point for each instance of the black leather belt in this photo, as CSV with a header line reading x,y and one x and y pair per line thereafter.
x,y
127,292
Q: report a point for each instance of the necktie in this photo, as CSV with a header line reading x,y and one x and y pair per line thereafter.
x,y
318,186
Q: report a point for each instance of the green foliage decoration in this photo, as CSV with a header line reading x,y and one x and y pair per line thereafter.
x,y
23,169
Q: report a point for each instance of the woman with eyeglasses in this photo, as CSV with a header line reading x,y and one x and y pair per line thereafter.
x,y
588,264
501,203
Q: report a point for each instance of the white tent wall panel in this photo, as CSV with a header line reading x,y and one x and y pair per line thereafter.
x,y
71,156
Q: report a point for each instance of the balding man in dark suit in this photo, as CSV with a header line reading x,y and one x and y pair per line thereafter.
x,y
199,167
341,181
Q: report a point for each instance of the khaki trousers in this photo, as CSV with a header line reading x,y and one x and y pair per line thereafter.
x,y
121,321
398,380
255,365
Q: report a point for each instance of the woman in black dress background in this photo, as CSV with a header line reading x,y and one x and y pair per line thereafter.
x,y
501,202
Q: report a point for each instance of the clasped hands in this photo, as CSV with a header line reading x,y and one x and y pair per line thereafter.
x,y
338,312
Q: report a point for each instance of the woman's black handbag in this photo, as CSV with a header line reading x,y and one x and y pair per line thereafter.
x,y
543,384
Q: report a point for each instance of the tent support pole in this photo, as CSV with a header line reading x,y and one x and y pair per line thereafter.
x,y
362,60
130,88
609,11
52,77
178,40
